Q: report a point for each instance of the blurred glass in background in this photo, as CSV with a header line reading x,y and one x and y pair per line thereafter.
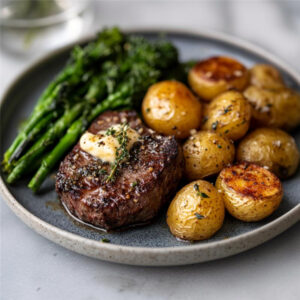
x,y
31,26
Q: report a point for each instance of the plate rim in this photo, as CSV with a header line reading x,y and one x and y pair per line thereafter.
x,y
72,241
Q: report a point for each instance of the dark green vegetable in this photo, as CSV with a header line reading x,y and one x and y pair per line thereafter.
x,y
33,134
180,72
44,142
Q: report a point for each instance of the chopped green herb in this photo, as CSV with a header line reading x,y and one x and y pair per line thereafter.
x,y
198,216
102,172
121,152
110,131
203,195
105,240
148,110
205,118
214,125
227,109
134,184
226,131
219,146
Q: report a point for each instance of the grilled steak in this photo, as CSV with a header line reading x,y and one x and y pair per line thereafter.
x,y
142,185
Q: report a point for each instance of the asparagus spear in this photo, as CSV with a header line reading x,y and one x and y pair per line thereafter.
x,y
42,109
35,152
32,135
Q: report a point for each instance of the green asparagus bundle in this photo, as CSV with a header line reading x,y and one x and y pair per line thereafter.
x,y
121,78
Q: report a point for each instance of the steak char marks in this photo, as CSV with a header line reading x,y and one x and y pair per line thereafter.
x,y
142,185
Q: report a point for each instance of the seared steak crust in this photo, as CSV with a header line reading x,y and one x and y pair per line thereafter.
x,y
141,187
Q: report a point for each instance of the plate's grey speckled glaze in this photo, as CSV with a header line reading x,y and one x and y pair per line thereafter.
x,y
152,244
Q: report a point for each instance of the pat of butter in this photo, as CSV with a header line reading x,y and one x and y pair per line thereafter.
x,y
105,146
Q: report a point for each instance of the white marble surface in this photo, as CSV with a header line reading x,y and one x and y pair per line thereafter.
x,y
34,268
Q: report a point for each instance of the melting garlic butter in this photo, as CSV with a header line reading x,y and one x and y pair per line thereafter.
x,y
104,146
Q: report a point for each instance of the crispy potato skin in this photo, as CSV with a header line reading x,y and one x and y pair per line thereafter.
x,y
211,77
206,153
250,192
197,212
170,108
266,77
274,108
272,148
228,114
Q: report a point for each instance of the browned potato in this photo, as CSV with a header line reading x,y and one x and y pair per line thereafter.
x,y
207,153
196,212
250,192
266,76
272,148
170,108
213,76
228,114
274,108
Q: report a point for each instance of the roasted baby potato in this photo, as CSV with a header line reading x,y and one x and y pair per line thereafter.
x,y
274,108
213,76
228,114
206,153
250,192
266,77
197,212
271,148
170,108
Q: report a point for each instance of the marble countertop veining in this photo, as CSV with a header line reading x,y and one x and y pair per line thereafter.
x,y
35,268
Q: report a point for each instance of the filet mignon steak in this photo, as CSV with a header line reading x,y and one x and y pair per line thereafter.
x,y
142,185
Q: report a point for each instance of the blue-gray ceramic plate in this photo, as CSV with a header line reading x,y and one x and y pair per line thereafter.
x,y
152,244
